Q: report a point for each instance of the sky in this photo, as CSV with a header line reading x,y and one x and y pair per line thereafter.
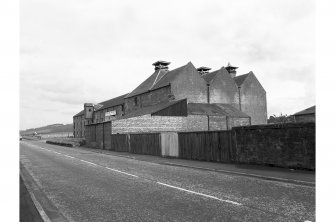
x,y
77,51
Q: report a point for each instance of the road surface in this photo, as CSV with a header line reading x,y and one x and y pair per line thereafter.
x,y
79,185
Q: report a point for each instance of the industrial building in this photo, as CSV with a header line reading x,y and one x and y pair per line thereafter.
x,y
306,115
183,99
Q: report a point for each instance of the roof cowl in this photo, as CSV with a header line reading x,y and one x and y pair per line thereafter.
x,y
203,70
161,65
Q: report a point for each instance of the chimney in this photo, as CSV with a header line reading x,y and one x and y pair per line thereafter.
x,y
88,109
231,69
203,70
161,65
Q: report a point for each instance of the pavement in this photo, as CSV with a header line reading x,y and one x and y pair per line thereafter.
x,y
82,184
302,177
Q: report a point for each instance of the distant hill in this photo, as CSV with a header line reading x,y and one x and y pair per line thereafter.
x,y
49,129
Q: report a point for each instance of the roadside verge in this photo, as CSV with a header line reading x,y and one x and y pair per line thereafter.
x,y
46,209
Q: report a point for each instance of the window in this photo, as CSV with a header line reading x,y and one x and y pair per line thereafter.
x,y
136,101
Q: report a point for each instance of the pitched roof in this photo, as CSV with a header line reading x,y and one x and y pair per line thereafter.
x,y
149,109
240,79
79,114
310,110
171,75
106,104
159,78
215,109
111,102
210,76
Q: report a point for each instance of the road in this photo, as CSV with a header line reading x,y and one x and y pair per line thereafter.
x,y
88,186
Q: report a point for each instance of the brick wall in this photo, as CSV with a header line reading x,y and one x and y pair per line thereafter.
x,y
285,145
305,118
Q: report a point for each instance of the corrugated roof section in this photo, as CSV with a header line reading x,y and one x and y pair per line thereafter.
x,y
217,109
310,110
231,110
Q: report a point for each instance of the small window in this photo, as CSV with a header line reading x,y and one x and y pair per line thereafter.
x,y
136,101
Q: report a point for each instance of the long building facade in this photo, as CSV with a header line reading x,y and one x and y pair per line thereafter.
x,y
183,99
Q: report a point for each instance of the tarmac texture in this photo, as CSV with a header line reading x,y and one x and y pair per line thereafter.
x,y
90,186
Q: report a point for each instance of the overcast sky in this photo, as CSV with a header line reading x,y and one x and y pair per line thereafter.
x,y
76,51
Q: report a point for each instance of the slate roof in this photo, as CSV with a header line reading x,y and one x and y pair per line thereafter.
x,y
215,109
310,110
106,104
210,76
79,114
111,102
158,79
240,79
149,109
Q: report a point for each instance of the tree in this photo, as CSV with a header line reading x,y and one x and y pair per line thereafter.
x,y
280,119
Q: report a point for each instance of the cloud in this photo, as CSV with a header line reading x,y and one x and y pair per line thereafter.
x,y
90,51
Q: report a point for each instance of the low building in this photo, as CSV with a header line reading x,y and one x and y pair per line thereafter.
x,y
306,115
180,116
101,112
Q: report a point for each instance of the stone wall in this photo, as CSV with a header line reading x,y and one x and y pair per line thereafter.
x,y
285,145
189,84
223,89
235,122
305,118
78,126
253,100
148,123
148,99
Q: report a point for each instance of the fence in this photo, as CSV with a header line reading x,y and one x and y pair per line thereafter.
x,y
283,145
208,146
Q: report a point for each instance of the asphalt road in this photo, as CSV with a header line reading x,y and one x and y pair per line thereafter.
x,y
88,186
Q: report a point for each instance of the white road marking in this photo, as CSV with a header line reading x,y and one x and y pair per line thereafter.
x,y
201,194
69,156
88,162
164,184
121,172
